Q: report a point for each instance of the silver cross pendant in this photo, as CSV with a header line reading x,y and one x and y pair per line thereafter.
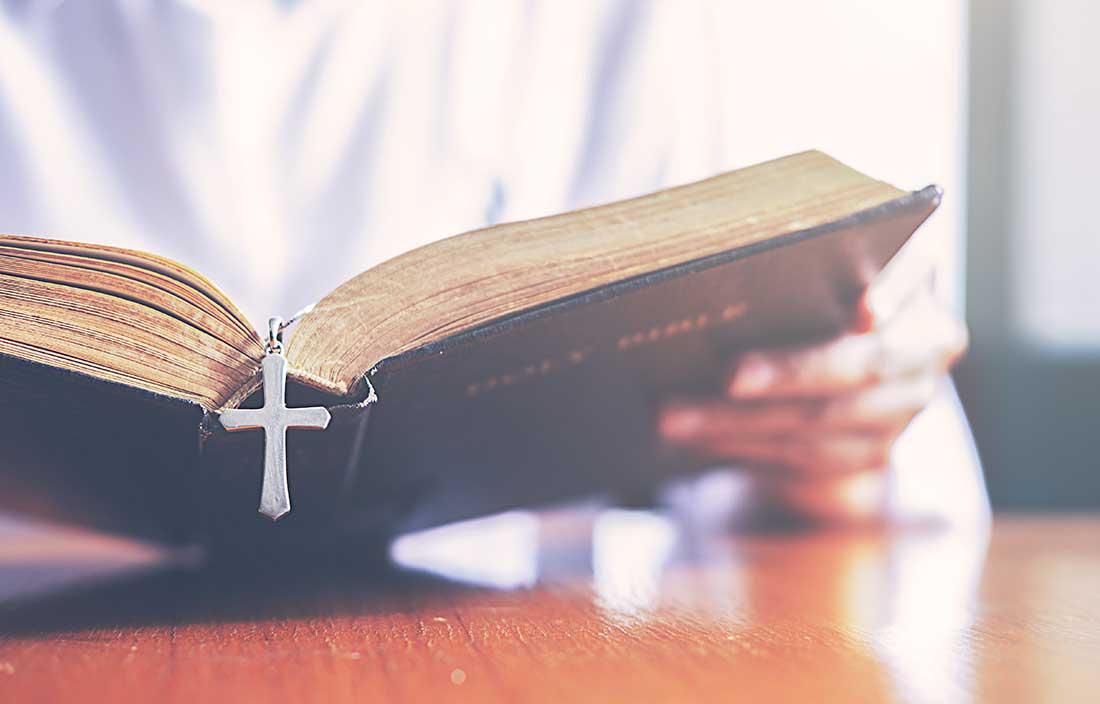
x,y
274,418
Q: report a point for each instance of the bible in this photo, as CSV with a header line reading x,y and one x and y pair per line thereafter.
x,y
518,365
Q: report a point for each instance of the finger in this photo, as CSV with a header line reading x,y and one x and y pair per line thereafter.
x,y
799,455
927,338
865,318
882,407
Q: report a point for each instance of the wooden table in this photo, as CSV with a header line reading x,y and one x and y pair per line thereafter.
x,y
916,615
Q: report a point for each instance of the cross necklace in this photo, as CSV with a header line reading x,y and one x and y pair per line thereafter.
x,y
274,419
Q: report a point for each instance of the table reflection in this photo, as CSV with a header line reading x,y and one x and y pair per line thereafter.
x,y
893,607
622,596
590,603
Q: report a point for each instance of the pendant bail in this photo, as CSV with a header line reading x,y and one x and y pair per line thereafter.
x,y
275,327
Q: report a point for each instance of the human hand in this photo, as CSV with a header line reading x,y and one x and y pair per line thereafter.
x,y
813,426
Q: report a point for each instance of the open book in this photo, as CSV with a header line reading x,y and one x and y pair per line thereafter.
x,y
514,365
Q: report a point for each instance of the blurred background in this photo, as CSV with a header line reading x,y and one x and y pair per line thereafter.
x,y
1032,378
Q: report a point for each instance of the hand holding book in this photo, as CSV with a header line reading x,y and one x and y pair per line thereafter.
x,y
814,425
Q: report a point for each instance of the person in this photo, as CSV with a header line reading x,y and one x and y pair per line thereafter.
x,y
245,139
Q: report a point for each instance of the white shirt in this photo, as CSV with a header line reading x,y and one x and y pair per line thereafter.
x,y
282,147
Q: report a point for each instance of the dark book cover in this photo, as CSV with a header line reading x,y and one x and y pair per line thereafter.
x,y
551,404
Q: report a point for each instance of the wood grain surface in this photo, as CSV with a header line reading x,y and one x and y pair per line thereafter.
x,y
635,609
